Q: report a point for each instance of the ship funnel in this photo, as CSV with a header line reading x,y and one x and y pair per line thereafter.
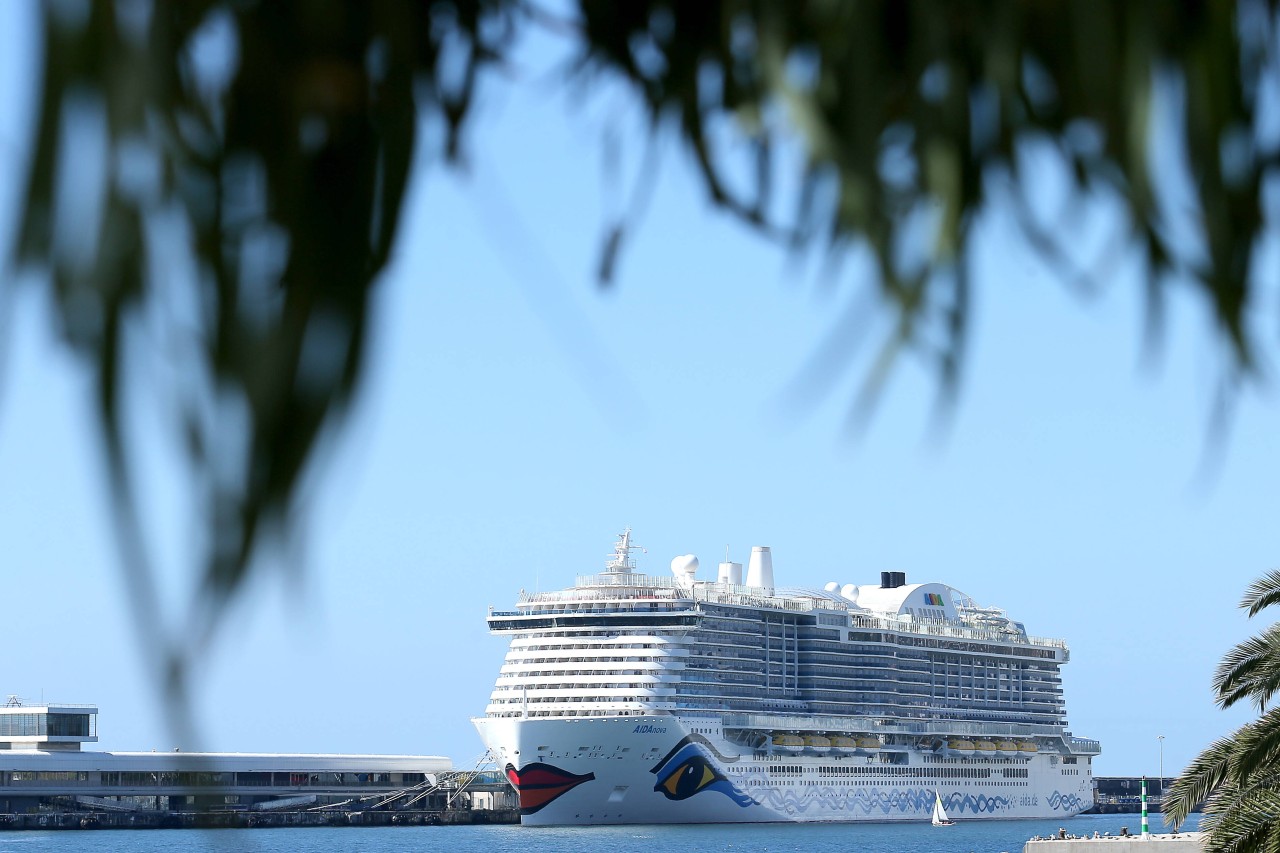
x,y
886,580
730,573
899,579
760,569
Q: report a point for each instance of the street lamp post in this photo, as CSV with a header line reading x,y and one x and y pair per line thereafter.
x,y
1160,738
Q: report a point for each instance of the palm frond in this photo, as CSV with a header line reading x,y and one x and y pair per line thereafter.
x,y
1256,757
1210,770
1244,821
1250,671
1262,593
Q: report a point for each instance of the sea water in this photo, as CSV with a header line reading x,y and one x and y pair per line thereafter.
x,y
987,836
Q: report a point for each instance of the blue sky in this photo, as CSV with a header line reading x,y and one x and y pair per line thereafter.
x,y
515,418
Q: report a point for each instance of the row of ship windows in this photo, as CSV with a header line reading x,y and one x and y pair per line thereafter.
x,y
830,698
840,649
751,639
695,684
908,772
926,675
581,707
922,667
575,638
600,673
975,690
723,703
561,697
864,687
965,691
829,673
620,712
876,669
724,693
812,635
816,673
984,760
901,772
998,783
900,714
621,657
900,700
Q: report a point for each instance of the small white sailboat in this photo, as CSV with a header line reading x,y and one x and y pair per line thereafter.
x,y
939,813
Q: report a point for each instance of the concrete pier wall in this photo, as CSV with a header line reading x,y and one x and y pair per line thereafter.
x,y
246,819
1182,842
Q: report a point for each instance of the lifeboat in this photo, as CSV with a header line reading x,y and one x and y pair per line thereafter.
x,y
1006,747
984,747
817,744
960,746
1028,747
867,743
787,743
843,743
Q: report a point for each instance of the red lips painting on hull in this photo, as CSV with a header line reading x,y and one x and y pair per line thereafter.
x,y
539,784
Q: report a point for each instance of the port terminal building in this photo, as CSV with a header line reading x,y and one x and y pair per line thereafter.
x,y
43,766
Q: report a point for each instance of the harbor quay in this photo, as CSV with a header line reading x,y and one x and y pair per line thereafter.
x,y
48,781
84,820
1178,842
1123,794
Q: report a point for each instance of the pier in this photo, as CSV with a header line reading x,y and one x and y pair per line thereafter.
x,y
47,781
94,820
1123,794
1178,842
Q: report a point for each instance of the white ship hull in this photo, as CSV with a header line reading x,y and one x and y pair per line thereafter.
x,y
662,769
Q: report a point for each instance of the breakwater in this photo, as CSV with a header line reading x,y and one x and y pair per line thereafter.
x,y
79,820
1181,842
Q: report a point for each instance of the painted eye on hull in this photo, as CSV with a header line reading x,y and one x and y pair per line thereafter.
x,y
688,770
690,777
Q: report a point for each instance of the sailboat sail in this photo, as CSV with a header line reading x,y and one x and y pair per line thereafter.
x,y
939,813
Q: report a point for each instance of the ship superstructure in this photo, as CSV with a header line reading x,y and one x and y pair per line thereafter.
x,y
634,698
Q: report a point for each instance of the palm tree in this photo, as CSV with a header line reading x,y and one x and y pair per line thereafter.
x,y
1238,777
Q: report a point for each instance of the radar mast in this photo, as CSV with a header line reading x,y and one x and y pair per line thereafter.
x,y
620,561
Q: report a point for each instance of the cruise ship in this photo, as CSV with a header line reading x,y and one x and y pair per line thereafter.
x,y
638,698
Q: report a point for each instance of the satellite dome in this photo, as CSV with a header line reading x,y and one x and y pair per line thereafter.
x,y
685,564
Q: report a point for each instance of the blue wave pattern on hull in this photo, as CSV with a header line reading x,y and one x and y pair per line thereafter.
x,y
1066,802
875,801
871,801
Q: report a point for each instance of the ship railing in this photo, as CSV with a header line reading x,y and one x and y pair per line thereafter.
x,y
628,586
637,586
1084,746
941,629
865,725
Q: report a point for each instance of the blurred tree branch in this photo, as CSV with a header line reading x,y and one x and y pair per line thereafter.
x,y
272,142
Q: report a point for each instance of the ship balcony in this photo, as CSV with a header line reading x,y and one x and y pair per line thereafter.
x,y
887,725
1083,746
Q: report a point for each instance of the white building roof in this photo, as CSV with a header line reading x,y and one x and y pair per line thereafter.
x,y
229,762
